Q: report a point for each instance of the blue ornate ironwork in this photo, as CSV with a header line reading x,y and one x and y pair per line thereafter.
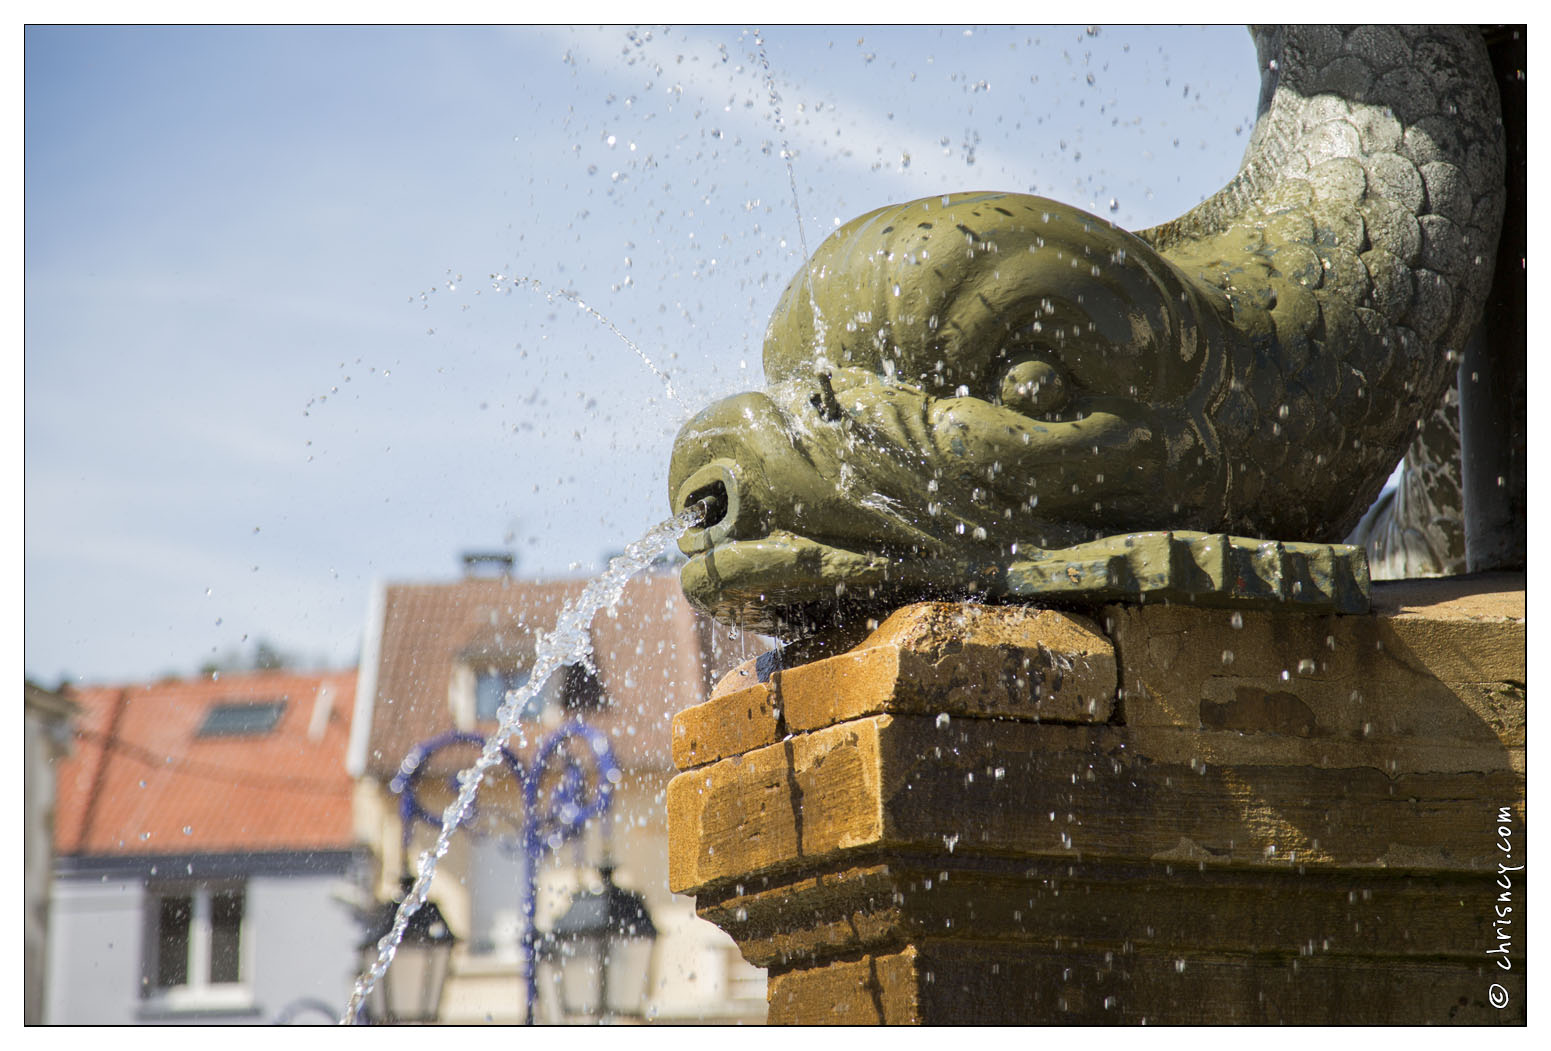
x,y
414,767
570,781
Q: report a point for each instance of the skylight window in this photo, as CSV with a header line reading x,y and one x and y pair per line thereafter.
x,y
241,719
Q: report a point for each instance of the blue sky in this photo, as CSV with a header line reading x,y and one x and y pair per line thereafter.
x,y
282,338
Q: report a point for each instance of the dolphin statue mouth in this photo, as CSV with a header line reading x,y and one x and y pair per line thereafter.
x,y
790,525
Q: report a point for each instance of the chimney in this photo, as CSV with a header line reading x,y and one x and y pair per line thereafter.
x,y
322,708
488,564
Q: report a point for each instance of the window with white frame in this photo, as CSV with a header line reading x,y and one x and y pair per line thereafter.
x,y
195,945
573,689
491,685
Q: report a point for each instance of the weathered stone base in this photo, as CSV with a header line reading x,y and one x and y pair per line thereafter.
x,y
1014,943
989,984
1161,815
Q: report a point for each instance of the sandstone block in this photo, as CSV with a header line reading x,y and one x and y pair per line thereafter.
x,y
961,660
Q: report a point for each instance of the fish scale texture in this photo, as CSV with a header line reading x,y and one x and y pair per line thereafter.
x,y
1355,247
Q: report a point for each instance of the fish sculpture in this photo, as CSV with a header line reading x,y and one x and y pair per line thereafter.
x,y
1001,396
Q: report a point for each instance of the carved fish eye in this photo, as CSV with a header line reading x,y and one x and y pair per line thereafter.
x,y
1033,387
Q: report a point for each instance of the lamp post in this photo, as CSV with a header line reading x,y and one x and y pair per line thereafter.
x,y
569,782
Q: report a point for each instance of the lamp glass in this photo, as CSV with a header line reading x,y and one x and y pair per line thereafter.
x,y
628,967
581,967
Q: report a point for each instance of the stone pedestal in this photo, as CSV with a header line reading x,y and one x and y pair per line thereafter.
x,y
1154,814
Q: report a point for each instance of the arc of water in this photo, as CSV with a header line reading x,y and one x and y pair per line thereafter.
x,y
791,178
551,294
569,643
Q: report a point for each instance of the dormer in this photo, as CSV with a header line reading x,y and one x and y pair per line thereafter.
x,y
498,660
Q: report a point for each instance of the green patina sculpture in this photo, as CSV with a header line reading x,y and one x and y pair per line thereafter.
x,y
1003,396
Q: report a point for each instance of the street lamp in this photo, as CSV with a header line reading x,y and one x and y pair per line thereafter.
x,y
410,993
600,953
410,990
607,936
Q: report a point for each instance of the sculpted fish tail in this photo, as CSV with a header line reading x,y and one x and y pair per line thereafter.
x,y
1355,247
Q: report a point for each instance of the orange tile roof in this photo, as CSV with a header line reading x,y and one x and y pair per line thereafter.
x,y
141,781
654,655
